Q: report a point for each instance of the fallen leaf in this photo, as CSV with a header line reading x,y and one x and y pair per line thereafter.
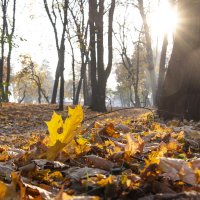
x,y
177,169
106,181
133,145
99,162
123,128
85,172
43,163
195,164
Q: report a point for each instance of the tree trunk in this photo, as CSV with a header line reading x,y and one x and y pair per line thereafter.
x,y
59,71
62,68
87,86
3,31
92,12
61,102
10,36
83,71
86,92
60,49
99,75
55,87
23,97
137,98
44,95
8,75
39,94
181,89
162,68
73,69
78,90
101,96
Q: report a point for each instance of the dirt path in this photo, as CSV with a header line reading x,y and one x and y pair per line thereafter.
x,y
29,118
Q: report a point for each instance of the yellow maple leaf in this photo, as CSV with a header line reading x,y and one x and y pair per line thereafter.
x,y
62,133
3,190
81,141
154,156
9,191
106,181
197,173
134,145
54,126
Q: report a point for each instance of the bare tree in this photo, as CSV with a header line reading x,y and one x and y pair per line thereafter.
x,y
7,33
151,67
81,26
30,70
69,38
62,12
131,65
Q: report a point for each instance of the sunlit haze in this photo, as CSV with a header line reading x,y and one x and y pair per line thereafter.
x,y
40,42
164,20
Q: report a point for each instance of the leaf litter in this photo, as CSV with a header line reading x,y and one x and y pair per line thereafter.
x,y
121,155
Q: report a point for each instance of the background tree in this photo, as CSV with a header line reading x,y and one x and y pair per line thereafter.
x,y
31,78
7,33
78,12
62,12
162,67
131,64
149,51
99,75
124,86
23,89
181,89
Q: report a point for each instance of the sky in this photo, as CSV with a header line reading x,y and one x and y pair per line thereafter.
x,y
33,25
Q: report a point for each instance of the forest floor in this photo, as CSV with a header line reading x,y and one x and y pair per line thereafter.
x,y
126,154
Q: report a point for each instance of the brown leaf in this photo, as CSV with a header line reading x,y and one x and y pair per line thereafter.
x,y
133,145
85,172
177,169
161,187
109,130
99,162
123,128
6,171
195,164
43,163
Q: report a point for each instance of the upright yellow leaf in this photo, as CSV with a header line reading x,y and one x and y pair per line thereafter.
x,y
54,126
62,133
71,123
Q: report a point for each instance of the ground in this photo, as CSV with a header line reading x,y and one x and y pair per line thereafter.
x,y
126,154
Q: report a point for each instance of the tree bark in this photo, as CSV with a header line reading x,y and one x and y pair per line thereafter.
x,y
92,14
3,31
181,89
99,75
101,100
10,45
86,92
151,67
162,68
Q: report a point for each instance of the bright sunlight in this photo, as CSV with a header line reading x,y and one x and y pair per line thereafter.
x,y
164,20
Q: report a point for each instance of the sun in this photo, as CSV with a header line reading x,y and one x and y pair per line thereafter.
x,y
165,19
